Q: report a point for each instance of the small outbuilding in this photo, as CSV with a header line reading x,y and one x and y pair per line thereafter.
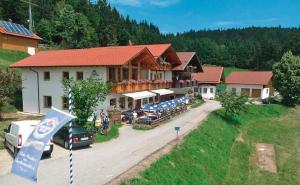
x,y
208,81
255,84
16,37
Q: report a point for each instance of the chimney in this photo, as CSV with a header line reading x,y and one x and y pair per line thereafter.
x,y
130,43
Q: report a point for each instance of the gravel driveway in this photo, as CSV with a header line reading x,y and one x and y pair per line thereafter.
x,y
103,162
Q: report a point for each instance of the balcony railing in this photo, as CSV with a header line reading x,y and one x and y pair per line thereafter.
x,y
129,87
184,83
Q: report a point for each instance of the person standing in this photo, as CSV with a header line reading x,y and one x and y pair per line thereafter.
x,y
105,125
135,116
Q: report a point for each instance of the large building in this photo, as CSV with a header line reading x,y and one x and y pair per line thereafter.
x,y
141,75
16,37
255,84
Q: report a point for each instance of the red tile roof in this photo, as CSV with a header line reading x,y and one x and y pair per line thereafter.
x,y
250,78
157,49
118,55
185,58
210,75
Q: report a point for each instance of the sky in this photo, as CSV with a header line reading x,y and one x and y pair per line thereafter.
x,y
173,16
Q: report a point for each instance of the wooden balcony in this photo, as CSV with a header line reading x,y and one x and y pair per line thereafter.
x,y
121,88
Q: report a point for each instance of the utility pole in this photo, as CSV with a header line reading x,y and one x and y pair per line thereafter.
x,y
30,14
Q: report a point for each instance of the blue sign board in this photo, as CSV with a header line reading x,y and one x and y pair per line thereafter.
x,y
27,161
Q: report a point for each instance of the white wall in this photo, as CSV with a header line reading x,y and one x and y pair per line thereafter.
x,y
208,94
264,91
53,87
29,91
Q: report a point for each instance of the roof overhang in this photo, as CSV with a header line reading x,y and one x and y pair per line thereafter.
x,y
162,91
140,95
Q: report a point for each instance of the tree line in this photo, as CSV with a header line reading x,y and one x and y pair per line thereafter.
x,y
81,24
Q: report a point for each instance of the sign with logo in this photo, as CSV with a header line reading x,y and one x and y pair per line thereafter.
x,y
28,158
177,129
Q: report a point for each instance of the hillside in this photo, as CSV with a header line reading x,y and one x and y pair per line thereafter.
x,y
8,57
222,151
99,24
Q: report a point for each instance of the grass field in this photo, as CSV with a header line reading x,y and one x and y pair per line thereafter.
x,y
113,133
8,57
210,155
228,70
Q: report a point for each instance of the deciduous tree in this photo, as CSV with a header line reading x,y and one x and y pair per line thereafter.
x,y
286,75
87,95
232,103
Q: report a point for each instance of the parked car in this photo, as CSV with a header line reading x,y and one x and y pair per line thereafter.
x,y
81,137
17,133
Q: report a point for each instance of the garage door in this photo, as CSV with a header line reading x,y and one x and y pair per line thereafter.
x,y
246,91
256,93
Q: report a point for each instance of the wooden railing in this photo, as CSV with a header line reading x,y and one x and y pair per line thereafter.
x,y
135,87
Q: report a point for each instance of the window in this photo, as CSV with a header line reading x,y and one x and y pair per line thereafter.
x,y
47,101
79,76
233,90
130,103
145,101
65,104
211,90
113,102
204,90
200,90
151,100
47,76
122,102
196,89
111,74
156,98
65,76
125,73
160,76
134,74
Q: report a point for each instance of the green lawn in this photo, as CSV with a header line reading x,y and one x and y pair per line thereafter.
x,y
228,70
113,133
8,57
210,155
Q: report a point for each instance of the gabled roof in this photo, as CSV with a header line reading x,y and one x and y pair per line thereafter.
x,y
17,30
158,50
250,78
210,75
186,58
102,56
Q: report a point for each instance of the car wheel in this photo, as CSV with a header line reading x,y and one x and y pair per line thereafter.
x,y
15,152
66,145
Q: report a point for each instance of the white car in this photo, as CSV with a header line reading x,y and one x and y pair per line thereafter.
x,y
17,133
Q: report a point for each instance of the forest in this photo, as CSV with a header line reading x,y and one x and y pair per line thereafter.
x,y
83,23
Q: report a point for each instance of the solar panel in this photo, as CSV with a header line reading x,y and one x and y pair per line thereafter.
x,y
15,28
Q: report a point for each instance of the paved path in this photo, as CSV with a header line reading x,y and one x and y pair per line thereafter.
x,y
103,162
